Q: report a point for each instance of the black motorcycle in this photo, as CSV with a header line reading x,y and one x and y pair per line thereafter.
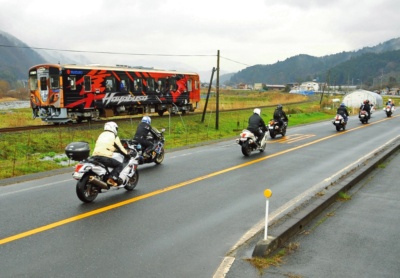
x,y
339,122
155,153
275,129
364,117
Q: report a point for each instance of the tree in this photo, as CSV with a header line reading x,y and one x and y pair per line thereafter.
x,y
4,88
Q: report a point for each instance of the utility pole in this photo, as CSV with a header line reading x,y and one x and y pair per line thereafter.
x,y
217,96
208,94
327,80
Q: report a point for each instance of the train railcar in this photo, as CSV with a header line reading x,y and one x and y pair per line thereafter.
x,y
74,93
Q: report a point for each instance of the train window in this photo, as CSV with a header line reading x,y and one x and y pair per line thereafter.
x,y
43,83
172,84
110,84
87,83
72,82
196,85
54,82
151,85
189,85
160,85
124,84
137,83
33,83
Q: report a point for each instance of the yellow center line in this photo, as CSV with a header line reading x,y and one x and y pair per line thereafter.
x,y
164,190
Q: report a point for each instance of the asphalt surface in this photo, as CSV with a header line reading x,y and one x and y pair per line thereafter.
x,y
357,237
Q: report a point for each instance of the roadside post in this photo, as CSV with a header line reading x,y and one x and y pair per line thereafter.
x,y
267,194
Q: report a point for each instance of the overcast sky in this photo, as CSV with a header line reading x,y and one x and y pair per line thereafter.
x,y
186,35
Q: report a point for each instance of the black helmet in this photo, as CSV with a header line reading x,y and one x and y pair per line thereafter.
x,y
279,106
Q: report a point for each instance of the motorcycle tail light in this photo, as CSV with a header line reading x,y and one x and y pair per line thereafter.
x,y
78,167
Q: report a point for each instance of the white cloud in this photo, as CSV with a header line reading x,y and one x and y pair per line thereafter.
x,y
246,33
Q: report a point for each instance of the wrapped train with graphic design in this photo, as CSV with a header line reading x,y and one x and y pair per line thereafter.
x,y
76,93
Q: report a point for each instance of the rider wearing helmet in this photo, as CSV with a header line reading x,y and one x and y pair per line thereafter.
x,y
142,132
257,125
107,143
390,102
280,115
366,107
342,110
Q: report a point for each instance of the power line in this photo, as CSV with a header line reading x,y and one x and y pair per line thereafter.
x,y
235,61
108,52
124,53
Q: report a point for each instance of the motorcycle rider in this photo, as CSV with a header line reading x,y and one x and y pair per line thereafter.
x,y
107,143
257,125
280,115
366,107
142,131
390,102
342,110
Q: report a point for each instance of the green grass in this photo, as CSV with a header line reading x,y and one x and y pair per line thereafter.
x,y
21,153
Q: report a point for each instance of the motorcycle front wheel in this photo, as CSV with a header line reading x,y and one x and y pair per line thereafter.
x,y
283,131
246,149
132,181
160,157
85,191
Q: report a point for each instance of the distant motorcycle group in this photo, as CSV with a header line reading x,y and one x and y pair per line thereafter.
x,y
254,137
364,114
95,175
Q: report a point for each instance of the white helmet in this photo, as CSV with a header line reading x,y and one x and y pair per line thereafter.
x,y
390,100
257,111
146,119
111,126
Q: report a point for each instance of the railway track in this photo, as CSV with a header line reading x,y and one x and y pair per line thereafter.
x,y
89,124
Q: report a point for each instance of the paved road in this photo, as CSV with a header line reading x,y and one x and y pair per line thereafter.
x,y
354,238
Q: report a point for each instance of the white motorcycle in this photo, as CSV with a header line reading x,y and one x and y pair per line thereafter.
x,y
389,109
248,142
92,175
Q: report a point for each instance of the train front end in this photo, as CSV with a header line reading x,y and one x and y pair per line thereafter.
x,y
46,93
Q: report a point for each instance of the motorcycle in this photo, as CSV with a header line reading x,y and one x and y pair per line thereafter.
x,y
339,122
155,154
363,117
248,142
92,175
389,110
275,129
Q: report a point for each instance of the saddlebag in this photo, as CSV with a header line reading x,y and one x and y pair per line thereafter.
x,y
77,150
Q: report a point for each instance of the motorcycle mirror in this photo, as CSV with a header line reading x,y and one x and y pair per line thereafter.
x,y
163,129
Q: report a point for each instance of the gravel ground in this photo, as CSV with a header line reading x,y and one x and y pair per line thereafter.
x,y
14,104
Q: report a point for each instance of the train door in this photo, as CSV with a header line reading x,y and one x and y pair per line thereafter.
x,y
43,75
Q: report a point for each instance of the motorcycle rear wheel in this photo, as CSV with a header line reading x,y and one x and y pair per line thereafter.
x,y
132,181
85,191
246,149
272,133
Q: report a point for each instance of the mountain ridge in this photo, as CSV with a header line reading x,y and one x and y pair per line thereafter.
x,y
305,67
379,62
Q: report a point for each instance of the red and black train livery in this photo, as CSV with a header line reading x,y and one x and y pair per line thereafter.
x,y
67,93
